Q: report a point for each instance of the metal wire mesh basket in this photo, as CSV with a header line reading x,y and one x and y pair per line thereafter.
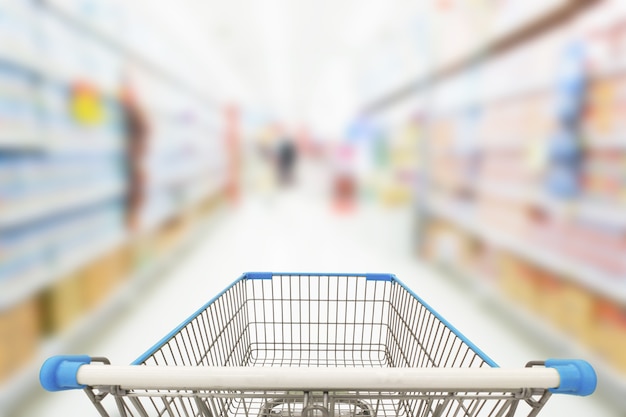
x,y
329,345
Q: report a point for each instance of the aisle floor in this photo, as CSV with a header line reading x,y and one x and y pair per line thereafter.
x,y
294,231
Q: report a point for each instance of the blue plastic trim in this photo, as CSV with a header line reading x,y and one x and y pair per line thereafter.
x,y
454,330
259,275
380,277
268,275
174,332
577,376
58,373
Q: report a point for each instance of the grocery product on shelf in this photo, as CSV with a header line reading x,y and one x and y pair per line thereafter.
x,y
610,333
20,335
564,146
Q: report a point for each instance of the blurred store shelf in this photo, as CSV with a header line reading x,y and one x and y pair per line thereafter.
x,y
604,213
583,209
114,39
18,387
35,208
22,139
491,117
19,288
543,19
68,259
568,267
594,141
611,383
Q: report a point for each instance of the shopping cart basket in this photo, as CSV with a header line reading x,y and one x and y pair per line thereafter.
x,y
311,345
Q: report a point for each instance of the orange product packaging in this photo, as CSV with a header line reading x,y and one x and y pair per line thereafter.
x,y
610,334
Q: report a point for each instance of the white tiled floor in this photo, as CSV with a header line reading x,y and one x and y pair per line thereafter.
x,y
295,231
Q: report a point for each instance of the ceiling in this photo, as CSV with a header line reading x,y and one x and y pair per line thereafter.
x,y
309,62
316,62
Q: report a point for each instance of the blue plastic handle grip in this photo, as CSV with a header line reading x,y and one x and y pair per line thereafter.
x,y
577,376
58,373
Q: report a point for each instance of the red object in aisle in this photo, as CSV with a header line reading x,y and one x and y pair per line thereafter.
x,y
231,137
344,183
344,193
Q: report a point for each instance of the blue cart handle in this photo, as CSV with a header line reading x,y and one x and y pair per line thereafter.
x,y
58,373
577,376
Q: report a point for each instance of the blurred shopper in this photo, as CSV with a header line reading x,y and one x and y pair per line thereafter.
x,y
136,131
286,157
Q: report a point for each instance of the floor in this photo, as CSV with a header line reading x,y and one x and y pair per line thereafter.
x,y
296,230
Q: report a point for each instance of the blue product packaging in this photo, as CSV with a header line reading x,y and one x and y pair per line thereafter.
x,y
571,84
565,148
572,74
563,182
569,108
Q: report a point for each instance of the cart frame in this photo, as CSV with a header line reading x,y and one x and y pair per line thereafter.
x,y
316,344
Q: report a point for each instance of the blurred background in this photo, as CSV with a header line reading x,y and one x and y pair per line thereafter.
x,y
151,151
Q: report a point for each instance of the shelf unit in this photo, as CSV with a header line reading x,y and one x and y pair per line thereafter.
x,y
26,381
29,211
466,177
179,106
16,290
115,41
569,268
611,383
593,211
553,16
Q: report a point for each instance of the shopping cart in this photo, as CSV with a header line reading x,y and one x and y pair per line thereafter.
x,y
316,345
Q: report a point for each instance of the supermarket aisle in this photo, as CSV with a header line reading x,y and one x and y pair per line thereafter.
x,y
296,231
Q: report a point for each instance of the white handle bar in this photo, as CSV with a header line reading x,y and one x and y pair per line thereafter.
x,y
316,379
559,375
